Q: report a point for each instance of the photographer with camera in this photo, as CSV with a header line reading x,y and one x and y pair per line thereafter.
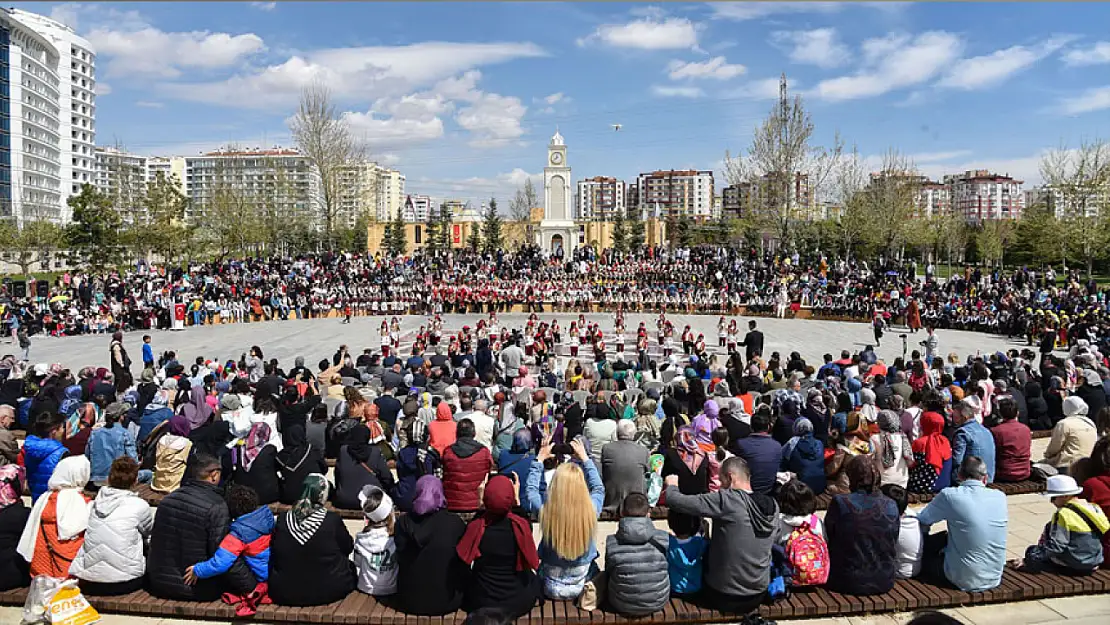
x,y
930,343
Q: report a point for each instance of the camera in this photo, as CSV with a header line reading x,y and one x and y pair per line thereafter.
x,y
902,336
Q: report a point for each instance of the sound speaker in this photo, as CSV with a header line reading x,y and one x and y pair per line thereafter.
x,y
19,288
42,289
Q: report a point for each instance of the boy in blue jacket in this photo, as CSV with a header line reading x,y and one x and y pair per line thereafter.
x,y
42,451
249,537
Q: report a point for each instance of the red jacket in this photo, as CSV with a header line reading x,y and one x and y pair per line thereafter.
x,y
1097,491
465,466
1012,441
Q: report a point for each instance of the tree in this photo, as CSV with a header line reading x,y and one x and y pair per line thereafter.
x,y
444,229
165,229
888,204
619,235
93,235
991,240
1078,183
397,242
238,219
33,243
520,208
847,185
474,237
781,162
432,239
636,230
491,229
325,139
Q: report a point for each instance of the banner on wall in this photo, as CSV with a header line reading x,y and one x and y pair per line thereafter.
x,y
456,232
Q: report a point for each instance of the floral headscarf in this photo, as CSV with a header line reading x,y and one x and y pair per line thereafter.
x,y
12,477
307,515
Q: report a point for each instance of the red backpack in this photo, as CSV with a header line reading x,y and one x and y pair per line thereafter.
x,y
808,554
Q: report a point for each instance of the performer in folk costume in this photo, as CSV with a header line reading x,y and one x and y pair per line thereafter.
x,y
699,347
733,335
668,344
395,333
618,338
556,331
722,332
642,351
572,337
583,331
660,325
687,340
384,332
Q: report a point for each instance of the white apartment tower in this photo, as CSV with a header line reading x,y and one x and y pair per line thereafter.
x,y
676,193
599,198
48,97
279,179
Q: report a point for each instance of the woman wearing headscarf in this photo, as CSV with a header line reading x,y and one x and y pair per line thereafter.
x,y
430,575
647,425
358,464
892,449
516,460
310,552
804,456
441,431
196,409
1037,407
55,529
171,455
415,460
254,462
296,460
783,429
13,520
689,462
818,414
932,454
847,439
704,424
1054,399
380,433
502,553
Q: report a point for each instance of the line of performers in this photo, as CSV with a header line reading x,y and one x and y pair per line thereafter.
x,y
541,338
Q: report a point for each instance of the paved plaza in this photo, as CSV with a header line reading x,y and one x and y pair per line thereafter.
x,y
316,339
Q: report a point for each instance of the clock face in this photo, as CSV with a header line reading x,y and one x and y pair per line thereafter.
x,y
556,158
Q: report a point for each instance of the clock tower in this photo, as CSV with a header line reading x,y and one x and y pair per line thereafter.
x,y
557,234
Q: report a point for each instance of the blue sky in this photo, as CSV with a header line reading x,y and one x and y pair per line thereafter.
x,y
462,97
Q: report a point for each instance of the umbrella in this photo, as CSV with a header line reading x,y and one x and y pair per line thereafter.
x,y
59,298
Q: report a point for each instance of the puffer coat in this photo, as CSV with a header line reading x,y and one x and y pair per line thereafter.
x,y
119,521
636,563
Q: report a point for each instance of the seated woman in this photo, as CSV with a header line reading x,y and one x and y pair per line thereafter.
x,y
296,460
430,575
13,518
500,548
804,456
862,534
310,553
255,464
932,455
55,529
568,520
359,464
689,462
847,439
892,449
171,455
112,559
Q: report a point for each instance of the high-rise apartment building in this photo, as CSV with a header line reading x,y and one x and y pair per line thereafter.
x,y
48,102
416,208
933,199
676,193
279,179
599,198
979,195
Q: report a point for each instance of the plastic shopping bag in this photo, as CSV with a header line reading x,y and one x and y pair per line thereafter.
x,y
55,601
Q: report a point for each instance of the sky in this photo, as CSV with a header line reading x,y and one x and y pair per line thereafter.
x,y
463,97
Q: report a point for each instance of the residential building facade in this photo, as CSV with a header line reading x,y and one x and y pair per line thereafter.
x,y
48,103
278,179
979,195
599,198
676,193
933,199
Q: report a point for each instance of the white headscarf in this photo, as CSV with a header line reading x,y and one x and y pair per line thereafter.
x,y
69,478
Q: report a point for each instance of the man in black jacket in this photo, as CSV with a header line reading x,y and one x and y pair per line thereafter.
x,y
753,341
188,528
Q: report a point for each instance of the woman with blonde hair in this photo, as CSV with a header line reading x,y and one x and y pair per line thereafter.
x,y
576,494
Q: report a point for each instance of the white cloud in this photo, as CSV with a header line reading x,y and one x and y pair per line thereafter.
x,y
1024,168
819,47
378,133
68,14
992,69
149,104
744,11
938,157
555,97
650,33
354,74
150,52
894,62
716,68
103,88
1095,55
1094,99
668,91
264,6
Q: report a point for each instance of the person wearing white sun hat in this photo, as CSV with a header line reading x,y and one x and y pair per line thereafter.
x,y
1072,540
